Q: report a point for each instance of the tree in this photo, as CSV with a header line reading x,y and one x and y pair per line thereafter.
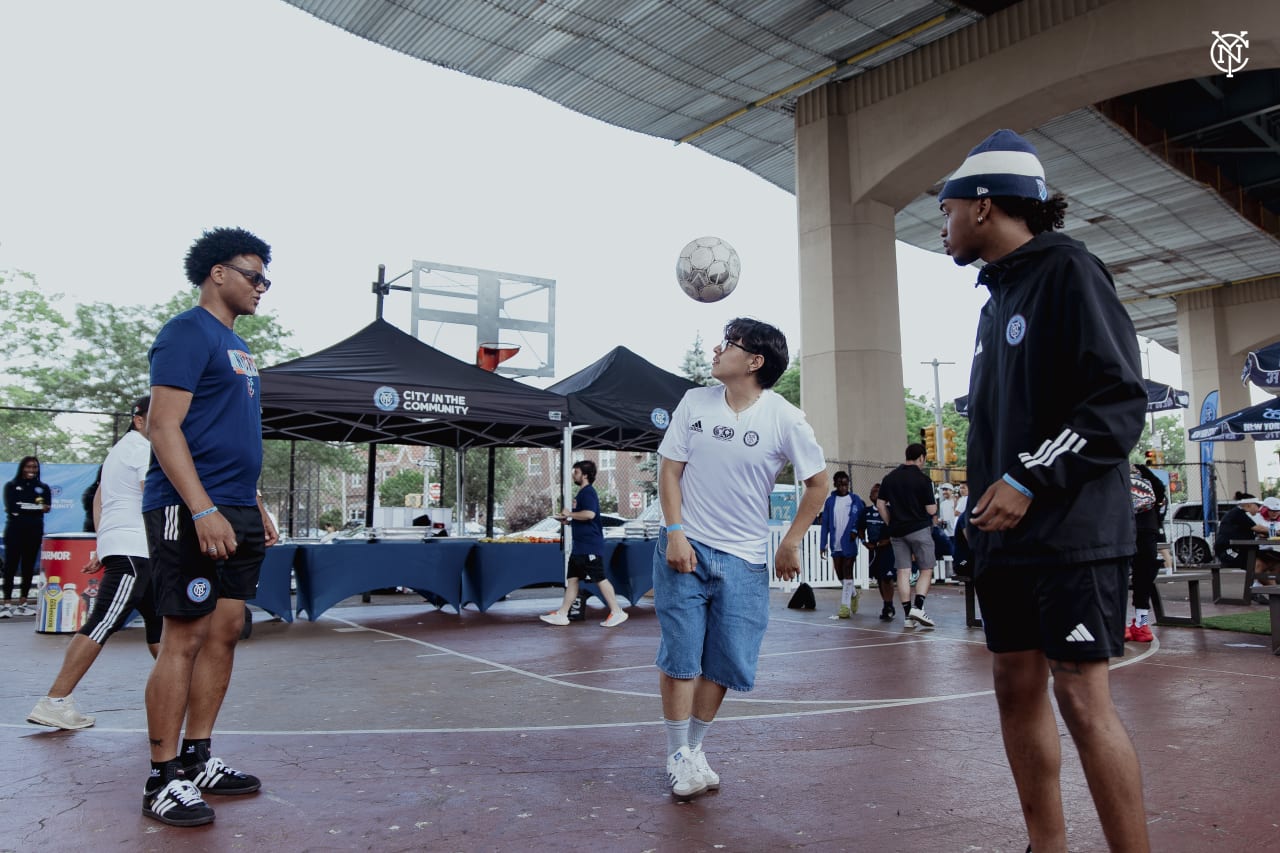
x,y
507,474
1172,437
395,487
696,366
920,415
788,384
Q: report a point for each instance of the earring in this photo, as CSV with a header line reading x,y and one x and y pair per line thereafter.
x,y
979,220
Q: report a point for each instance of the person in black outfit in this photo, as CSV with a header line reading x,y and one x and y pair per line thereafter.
x,y
26,500
907,505
1056,405
1239,523
86,500
1146,561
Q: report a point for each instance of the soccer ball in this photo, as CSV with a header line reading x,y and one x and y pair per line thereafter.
x,y
708,269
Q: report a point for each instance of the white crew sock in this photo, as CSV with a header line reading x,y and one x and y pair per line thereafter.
x,y
846,593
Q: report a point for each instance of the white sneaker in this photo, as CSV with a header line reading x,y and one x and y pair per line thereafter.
x,y
615,619
59,715
921,617
711,777
683,776
555,617
908,622
24,610
6,612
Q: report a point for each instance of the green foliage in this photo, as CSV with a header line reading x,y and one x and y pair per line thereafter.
x,y
608,500
525,513
395,487
1172,439
507,474
920,415
696,366
788,384
33,331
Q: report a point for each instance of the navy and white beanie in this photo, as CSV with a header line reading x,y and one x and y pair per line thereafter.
x,y
1004,164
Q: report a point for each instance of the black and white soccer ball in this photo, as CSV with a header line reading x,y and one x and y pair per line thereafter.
x,y
708,269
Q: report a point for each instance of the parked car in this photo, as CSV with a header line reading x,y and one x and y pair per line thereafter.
x,y
549,528
1185,531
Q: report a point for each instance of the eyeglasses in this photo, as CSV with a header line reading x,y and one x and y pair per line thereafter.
x,y
254,277
726,343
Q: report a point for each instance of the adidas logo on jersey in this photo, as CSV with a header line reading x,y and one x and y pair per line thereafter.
x,y
1080,634
696,427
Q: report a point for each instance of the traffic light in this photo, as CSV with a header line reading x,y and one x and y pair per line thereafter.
x,y
950,456
1155,458
930,435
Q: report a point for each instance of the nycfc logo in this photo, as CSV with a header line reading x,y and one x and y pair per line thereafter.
x,y
1227,52
1016,330
1042,189
249,380
1271,414
386,398
198,590
751,438
723,433
660,418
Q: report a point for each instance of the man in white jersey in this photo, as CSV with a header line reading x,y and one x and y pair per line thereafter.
x,y
126,576
719,460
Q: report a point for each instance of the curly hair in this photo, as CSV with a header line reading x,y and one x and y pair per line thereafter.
x,y
1040,216
219,246
764,340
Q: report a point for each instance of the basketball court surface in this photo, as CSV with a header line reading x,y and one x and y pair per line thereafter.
x,y
396,727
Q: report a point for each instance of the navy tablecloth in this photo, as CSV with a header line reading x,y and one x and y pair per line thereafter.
x,y
329,573
273,582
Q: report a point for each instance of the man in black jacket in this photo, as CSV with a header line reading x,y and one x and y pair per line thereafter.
x,y
1056,403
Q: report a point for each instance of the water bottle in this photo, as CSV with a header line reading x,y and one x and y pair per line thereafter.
x,y
69,609
50,602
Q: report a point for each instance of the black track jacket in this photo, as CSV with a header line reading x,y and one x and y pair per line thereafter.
x,y
1056,401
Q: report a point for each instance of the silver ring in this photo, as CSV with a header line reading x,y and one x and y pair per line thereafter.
x,y
213,550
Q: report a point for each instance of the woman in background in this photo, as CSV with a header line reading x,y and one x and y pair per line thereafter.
x,y
26,500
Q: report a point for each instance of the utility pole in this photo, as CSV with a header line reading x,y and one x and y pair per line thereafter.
x,y
937,412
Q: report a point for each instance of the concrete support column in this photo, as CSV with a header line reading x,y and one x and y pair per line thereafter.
x,y
1215,329
851,363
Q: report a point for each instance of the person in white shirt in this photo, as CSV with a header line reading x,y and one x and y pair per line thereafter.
x,y
720,457
126,575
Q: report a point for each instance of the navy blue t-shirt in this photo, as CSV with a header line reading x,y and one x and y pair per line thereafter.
x,y
196,352
588,536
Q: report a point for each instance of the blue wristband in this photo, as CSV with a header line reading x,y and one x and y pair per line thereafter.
x,y
1021,488
671,528
210,511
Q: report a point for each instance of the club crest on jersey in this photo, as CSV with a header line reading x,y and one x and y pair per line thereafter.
x,y
723,433
660,418
751,438
199,590
1016,330
249,380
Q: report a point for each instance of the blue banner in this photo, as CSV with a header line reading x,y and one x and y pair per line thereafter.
x,y
67,483
1208,500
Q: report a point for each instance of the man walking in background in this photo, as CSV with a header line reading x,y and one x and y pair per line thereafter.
x,y
906,504
126,572
586,557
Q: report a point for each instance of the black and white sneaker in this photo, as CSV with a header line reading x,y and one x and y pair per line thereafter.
x,y
177,803
215,777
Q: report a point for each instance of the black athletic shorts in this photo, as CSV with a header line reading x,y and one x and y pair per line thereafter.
x,y
880,563
124,588
586,567
1071,613
188,583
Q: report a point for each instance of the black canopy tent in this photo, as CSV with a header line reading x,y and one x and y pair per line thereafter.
x,y
384,386
621,402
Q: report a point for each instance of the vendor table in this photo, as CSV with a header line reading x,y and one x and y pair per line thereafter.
x,y
274,581
329,573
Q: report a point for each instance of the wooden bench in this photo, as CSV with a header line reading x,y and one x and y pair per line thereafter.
x,y
1272,592
1192,580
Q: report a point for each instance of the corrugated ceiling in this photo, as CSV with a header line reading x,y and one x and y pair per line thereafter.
x,y
670,68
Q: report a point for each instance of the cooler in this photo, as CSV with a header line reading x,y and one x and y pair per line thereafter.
x,y
66,595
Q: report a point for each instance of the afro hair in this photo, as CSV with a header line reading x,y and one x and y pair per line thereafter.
x,y
219,246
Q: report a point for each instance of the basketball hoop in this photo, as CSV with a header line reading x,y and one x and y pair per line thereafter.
x,y
490,355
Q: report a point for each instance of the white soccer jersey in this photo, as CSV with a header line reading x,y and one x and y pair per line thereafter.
x,y
120,531
731,463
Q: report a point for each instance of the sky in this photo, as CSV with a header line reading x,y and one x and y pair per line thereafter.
x,y
128,128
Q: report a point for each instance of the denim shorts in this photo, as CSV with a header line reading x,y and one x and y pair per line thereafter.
x,y
712,619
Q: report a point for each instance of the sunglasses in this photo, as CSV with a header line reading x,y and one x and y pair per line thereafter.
x,y
254,277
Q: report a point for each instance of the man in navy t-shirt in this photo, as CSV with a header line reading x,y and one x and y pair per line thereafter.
x,y
586,557
205,523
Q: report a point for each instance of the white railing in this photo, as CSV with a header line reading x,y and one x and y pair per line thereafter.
x,y
818,572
